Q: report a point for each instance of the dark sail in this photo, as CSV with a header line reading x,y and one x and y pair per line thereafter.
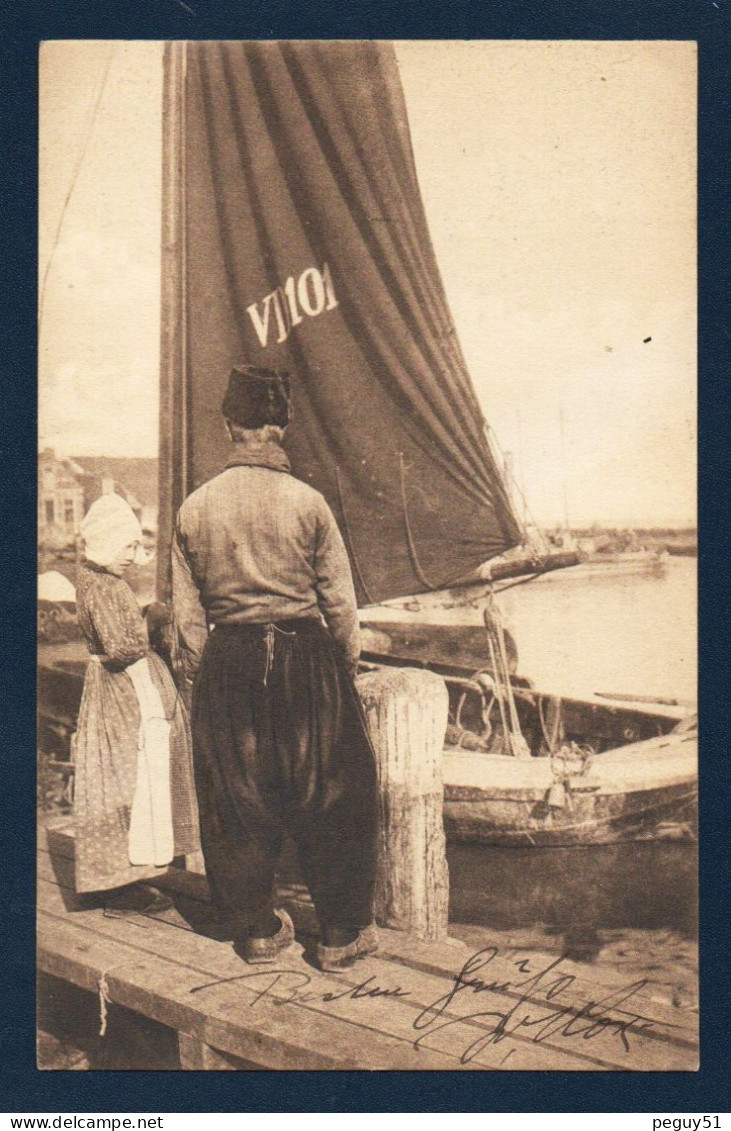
x,y
305,247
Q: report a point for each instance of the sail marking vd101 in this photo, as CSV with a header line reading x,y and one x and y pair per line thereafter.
x,y
311,294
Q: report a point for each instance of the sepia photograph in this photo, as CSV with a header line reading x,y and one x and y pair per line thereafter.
x,y
367,556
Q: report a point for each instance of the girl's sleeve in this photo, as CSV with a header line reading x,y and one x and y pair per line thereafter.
x,y
118,624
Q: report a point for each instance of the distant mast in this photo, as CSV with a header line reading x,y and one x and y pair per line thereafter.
x,y
563,468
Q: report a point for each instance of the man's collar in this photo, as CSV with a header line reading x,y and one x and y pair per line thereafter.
x,y
259,454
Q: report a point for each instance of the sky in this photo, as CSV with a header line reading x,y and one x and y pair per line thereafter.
x,y
558,180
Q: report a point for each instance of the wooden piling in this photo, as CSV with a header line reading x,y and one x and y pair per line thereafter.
x,y
406,710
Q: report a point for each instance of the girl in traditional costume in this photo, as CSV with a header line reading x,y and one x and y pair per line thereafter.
x,y
134,805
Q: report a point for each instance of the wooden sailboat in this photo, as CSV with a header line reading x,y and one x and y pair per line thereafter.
x,y
294,236
604,770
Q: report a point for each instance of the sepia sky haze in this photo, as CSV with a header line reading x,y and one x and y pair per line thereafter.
x,y
558,180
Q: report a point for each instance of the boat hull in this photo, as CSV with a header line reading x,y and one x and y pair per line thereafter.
x,y
667,813
641,791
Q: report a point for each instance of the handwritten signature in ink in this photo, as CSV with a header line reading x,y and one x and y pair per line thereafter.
x,y
284,986
540,1009
540,1005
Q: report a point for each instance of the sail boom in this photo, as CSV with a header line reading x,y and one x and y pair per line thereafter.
x,y
476,586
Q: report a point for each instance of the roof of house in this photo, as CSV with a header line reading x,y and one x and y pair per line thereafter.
x,y
138,476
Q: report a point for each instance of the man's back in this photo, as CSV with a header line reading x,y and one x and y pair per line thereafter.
x,y
251,539
261,546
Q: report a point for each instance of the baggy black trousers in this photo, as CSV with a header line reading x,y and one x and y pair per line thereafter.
x,y
280,746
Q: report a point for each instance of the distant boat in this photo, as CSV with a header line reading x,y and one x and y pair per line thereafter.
x,y
620,557
682,550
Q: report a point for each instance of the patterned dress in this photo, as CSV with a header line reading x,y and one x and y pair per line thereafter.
x,y
107,737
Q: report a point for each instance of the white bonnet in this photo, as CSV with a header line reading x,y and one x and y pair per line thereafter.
x,y
110,525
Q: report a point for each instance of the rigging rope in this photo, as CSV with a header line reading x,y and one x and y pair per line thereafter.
x,y
500,691
492,439
349,536
86,133
421,576
515,741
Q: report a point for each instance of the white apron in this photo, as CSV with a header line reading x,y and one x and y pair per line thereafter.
x,y
151,818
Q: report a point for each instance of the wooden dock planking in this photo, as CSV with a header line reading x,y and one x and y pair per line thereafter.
x,y
443,957
344,1034
291,1035
442,960
143,982
166,963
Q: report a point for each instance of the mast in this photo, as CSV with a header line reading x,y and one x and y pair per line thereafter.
x,y
174,443
563,466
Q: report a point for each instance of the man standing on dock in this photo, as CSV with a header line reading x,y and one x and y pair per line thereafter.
x,y
279,737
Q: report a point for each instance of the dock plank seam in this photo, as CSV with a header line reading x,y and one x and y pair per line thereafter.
x,y
430,968
183,884
600,1060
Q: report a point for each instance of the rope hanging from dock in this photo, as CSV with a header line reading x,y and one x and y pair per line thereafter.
x,y
103,989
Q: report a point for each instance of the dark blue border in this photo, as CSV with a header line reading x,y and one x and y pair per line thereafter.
x,y
21,28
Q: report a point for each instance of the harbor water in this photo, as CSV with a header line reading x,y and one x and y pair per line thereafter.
x,y
624,628
610,629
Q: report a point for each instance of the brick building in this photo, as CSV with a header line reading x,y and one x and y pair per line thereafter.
x,y
61,502
68,487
